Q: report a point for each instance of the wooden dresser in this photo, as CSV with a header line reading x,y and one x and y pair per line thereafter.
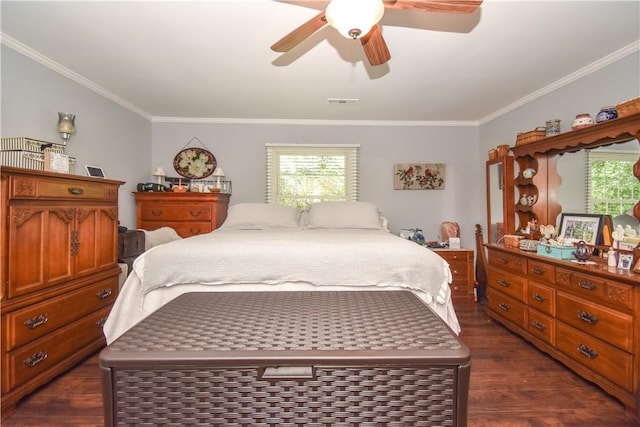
x,y
59,274
187,213
586,316
462,269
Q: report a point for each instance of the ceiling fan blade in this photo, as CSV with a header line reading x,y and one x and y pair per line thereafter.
x,y
300,34
375,47
448,6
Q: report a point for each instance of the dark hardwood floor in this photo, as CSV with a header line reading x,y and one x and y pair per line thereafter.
x,y
512,384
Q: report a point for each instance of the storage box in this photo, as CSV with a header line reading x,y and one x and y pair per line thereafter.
x,y
558,252
325,358
29,144
29,160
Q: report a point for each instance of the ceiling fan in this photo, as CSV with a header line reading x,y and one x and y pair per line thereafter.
x,y
358,19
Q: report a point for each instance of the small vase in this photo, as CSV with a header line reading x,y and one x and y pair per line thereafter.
x,y
583,120
606,114
552,127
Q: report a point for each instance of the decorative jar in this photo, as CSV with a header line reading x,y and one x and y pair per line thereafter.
x,y
581,121
606,114
552,127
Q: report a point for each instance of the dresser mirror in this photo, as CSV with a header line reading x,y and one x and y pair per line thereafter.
x,y
500,197
573,169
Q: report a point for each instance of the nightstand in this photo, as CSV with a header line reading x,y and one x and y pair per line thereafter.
x,y
188,213
461,264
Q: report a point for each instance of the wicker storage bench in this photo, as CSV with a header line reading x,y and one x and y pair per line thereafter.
x,y
326,358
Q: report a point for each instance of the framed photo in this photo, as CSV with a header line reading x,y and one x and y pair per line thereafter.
x,y
576,227
625,261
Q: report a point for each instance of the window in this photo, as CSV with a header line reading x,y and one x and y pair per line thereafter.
x,y
298,175
611,186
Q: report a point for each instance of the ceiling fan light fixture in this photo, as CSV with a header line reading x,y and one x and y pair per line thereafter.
x,y
354,18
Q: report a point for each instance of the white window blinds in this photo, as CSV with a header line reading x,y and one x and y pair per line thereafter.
x,y
300,174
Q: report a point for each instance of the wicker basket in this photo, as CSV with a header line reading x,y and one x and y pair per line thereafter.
x,y
531,136
512,241
628,108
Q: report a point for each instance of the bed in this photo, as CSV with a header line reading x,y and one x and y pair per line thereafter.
x,y
266,247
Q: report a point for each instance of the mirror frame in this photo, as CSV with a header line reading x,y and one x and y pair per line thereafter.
x,y
508,194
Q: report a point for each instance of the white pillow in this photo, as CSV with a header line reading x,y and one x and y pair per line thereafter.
x,y
260,216
344,215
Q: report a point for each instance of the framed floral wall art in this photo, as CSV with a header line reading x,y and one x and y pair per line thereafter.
x,y
418,176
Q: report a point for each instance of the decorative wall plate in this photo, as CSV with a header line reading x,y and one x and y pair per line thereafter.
x,y
194,163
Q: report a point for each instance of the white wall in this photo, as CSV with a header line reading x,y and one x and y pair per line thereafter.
x,y
240,151
107,134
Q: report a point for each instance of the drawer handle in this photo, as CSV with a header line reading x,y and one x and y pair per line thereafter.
x,y
156,213
195,213
587,317
538,297
591,354
503,260
76,191
103,293
36,358
538,325
548,249
504,283
504,306
36,321
288,373
100,323
585,284
538,270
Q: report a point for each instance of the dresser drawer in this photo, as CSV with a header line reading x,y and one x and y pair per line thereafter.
x,y
505,261
30,187
38,356
27,324
596,288
512,310
610,325
608,361
541,326
540,272
542,298
169,212
507,283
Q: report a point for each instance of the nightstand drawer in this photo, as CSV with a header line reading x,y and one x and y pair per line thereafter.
x,y
176,213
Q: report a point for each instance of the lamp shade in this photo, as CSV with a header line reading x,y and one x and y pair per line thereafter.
x,y
218,172
159,172
354,18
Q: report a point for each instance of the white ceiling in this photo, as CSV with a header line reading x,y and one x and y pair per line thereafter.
x,y
208,60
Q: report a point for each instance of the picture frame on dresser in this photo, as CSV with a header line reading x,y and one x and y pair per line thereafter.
x,y
575,227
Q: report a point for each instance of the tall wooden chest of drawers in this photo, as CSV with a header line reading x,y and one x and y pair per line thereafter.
x,y
59,274
586,316
187,213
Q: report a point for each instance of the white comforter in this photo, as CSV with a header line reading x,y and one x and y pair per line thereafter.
x,y
249,260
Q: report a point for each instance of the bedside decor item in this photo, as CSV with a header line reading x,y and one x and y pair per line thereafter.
x,y
159,173
66,126
218,173
94,171
606,113
56,162
582,121
529,245
195,162
449,229
419,176
625,261
552,127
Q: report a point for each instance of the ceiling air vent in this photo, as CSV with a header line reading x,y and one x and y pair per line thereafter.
x,y
341,101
